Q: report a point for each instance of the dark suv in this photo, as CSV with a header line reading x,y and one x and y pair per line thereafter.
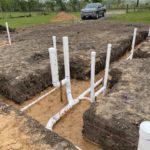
x,y
93,10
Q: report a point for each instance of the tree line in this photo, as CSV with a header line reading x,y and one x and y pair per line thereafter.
x,y
52,5
37,5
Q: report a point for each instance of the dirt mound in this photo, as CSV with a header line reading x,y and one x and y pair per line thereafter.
x,y
20,132
3,29
113,122
63,16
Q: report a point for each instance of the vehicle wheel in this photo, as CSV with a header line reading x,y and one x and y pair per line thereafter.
x,y
103,15
82,18
97,16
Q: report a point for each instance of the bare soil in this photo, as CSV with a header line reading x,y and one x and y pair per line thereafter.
x,y
70,126
19,132
24,66
63,16
116,117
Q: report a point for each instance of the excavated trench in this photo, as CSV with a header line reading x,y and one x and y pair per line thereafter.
x,y
116,117
70,126
24,66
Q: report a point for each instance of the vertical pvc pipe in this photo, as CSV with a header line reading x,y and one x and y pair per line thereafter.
x,y
144,136
92,94
54,42
54,66
133,43
8,33
107,66
67,68
149,32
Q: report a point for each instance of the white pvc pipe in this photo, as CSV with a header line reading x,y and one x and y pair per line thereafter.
x,y
149,32
8,33
92,94
57,117
54,42
107,66
144,136
54,67
101,90
67,69
37,100
133,43
53,120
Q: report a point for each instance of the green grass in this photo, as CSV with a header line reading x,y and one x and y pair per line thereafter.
x,y
77,14
36,19
134,17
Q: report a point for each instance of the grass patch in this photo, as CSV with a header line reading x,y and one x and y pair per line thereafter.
x,y
35,19
134,17
77,14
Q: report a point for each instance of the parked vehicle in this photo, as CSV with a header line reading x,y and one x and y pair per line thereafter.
x,y
93,10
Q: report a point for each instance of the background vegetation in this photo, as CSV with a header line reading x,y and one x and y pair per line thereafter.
x,y
22,13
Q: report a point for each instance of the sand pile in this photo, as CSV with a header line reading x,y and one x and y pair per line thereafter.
x,y
63,16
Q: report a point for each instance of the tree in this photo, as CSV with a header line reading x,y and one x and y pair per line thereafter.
x,y
138,1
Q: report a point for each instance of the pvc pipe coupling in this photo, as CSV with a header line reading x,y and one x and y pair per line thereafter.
x,y
144,136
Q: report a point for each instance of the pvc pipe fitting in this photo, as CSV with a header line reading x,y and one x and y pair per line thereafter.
x,y
144,136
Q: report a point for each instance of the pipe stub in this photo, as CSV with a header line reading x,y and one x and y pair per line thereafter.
x,y
145,130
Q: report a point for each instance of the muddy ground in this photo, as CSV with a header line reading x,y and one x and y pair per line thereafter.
x,y
19,132
116,117
24,66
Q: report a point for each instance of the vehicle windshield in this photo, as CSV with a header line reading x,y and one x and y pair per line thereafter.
x,y
91,5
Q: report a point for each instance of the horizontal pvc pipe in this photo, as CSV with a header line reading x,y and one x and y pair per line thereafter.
x,y
78,148
56,117
100,91
89,89
144,136
37,100
52,121
8,33
129,57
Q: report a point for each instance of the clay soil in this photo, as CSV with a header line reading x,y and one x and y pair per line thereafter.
x,y
63,16
19,132
118,114
24,66
70,126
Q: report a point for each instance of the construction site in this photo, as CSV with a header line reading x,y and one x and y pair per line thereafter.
x,y
82,85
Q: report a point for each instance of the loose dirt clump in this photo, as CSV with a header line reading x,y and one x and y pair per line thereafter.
x,y
3,29
17,131
25,68
63,16
143,51
113,121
